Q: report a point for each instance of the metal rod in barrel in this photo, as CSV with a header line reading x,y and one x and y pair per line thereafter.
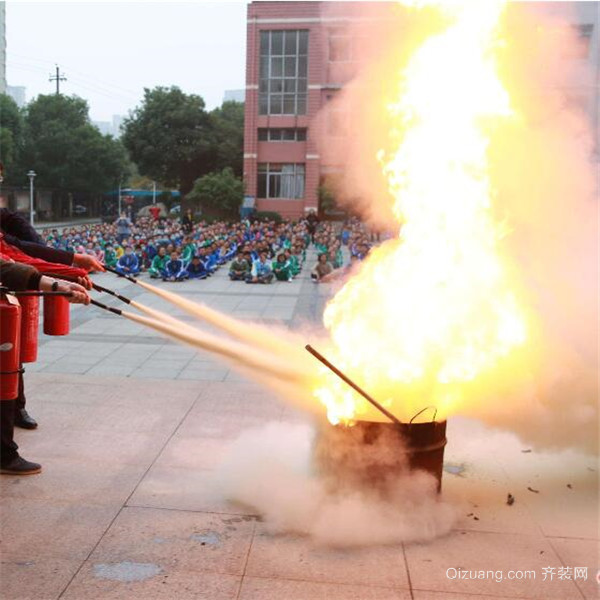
x,y
353,385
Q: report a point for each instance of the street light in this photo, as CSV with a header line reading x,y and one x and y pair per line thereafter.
x,y
31,176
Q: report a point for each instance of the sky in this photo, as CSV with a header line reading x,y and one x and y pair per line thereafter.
x,y
111,51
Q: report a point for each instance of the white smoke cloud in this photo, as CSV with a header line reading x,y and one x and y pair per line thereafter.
x,y
271,470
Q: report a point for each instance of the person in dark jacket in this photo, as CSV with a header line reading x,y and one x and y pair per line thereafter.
x,y
19,277
196,269
312,220
175,269
187,221
18,232
239,268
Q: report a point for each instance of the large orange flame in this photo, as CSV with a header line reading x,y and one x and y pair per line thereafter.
x,y
430,312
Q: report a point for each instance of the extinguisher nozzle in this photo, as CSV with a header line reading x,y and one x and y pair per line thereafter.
x,y
111,309
99,288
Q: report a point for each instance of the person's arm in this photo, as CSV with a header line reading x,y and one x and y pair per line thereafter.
x,y
15,224
19,277
62,257
47,253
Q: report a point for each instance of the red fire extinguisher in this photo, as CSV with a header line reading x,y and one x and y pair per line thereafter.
x,y
56,315
10,334
30,318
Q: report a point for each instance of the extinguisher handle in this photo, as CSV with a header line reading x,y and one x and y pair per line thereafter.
x,y
39,293
4,290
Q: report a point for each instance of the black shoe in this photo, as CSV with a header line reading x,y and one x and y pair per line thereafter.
x,y
24,420
20,466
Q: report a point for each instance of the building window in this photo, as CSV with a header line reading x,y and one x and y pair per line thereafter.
x,y
282,134
283,72
276,180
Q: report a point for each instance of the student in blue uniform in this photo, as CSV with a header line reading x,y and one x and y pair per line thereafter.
x,y
128,264
175,268
262,271
196,269
211,260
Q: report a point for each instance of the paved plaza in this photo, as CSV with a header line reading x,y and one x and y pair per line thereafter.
x,y
133,428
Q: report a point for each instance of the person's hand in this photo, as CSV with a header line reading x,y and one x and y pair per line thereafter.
x,y
88,262
86,282
78,294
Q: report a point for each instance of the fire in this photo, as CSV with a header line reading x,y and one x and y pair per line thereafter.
x,y
432,311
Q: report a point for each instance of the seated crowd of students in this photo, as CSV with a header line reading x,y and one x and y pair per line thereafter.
x,y
258,252
165,249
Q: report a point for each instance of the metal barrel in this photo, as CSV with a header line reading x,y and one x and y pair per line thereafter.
x,y
425,446
373,455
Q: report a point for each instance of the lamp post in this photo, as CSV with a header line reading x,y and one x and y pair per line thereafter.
x,y
154,192
31,176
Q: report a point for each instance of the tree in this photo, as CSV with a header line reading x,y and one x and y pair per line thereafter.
x,y
228,137
66,150
169,137
218,193
11,136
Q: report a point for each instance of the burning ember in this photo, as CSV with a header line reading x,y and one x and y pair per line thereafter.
x,y
431,311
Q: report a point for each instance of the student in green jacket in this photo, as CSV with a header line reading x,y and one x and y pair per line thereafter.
x,y
157,266
110,256
189,249
301,255
282,268
294,264
335,259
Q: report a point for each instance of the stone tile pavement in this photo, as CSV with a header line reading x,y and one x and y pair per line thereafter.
x,y
133,428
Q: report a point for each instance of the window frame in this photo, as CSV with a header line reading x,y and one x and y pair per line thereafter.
x,y
271,175
267,134
283,77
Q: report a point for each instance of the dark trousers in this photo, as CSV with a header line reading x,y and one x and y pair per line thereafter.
x,y
20,401
8,447
238,275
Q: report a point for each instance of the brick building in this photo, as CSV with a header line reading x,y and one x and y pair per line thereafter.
x,y
295,63
298,57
